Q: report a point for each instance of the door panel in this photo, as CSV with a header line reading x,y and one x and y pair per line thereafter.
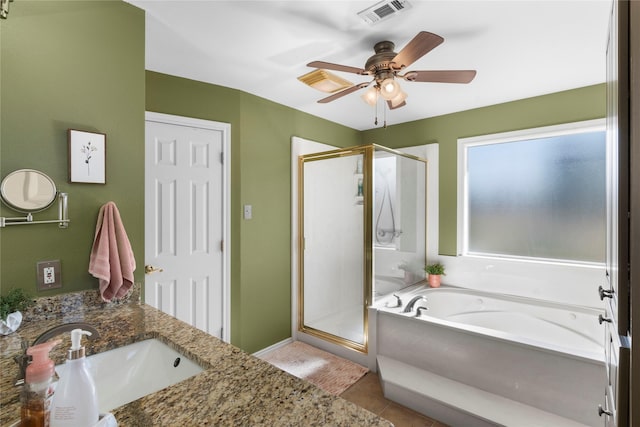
x,y
334,264
184,223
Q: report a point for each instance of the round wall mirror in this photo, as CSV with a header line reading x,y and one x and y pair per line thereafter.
x,y
28,190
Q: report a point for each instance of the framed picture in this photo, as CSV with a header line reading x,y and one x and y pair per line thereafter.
x,y
87,157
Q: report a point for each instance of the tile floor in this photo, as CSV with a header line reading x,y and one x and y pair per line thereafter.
x,y
367,393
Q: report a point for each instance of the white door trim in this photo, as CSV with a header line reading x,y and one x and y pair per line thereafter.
x,y
225,128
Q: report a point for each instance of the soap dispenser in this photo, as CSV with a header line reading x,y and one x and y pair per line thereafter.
x,y
38,386
75,401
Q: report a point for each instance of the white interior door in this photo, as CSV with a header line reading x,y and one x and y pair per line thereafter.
x,y
185,206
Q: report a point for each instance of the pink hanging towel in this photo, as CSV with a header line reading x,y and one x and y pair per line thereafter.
x,y
111,260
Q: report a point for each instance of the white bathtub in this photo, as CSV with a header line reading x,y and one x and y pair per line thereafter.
x,y
387,285
545,355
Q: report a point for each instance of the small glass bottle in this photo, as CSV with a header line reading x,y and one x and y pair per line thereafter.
x,y
38,388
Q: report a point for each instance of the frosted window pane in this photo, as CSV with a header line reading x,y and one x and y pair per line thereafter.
x,y
542,198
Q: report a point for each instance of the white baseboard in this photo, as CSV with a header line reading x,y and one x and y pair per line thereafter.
x,y
261,353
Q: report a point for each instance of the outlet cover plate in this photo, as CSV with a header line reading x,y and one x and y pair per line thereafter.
x,y
49,275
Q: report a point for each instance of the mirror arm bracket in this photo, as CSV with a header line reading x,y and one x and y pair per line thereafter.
x,y
62,221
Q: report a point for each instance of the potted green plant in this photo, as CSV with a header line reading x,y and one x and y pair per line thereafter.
x,y
435,272
11,306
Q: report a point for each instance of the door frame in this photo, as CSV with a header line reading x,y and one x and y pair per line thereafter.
x,y
634,230
225,128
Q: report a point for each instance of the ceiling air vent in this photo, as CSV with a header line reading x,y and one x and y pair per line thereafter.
x,y
383,10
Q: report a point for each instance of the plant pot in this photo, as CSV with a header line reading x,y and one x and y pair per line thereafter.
x,y
11,323
434,280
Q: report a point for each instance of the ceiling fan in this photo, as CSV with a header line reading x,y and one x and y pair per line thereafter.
x,y
385,65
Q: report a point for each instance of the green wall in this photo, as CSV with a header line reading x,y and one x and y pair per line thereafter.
x,y
80,65
261,134
67,65
562,107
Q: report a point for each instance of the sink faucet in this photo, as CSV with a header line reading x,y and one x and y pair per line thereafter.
x,y
66,327
23,359
409,307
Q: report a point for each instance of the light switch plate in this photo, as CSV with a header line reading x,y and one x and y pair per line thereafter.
x,y
248,212
49,275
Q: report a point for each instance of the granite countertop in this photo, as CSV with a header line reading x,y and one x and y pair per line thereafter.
x,y
235,388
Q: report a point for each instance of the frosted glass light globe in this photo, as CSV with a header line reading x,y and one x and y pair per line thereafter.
x,y
389,89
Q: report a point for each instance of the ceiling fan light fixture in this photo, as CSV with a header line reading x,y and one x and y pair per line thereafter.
x,y
325,81
371,96
385,67
398,99
389,89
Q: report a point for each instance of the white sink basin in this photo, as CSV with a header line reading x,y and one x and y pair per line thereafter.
x,y
128,373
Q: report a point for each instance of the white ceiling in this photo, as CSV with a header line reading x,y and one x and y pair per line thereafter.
x,y
519,49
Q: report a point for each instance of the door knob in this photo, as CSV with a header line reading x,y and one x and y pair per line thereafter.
x,y
148,269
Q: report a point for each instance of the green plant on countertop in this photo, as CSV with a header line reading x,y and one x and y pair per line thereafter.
x,y
15,300
436,269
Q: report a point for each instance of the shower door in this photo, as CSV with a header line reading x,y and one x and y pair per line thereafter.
x,y
335,245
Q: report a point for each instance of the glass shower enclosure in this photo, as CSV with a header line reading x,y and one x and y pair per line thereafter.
x,y
362,214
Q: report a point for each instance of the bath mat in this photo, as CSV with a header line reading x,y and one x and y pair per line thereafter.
x,y
331,373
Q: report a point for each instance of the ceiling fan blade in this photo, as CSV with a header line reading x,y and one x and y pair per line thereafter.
x,y
336,67
419,46
340,94
391,107
441,76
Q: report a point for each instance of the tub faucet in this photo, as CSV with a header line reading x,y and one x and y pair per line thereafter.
x,y
398,301
420,309
409,307
23,359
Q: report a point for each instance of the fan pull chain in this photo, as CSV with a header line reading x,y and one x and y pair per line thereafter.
x,y
375,122
384,106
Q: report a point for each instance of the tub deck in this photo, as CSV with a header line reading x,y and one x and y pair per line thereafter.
x,y
444,368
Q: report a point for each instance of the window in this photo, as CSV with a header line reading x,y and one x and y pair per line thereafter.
x,y
536,194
